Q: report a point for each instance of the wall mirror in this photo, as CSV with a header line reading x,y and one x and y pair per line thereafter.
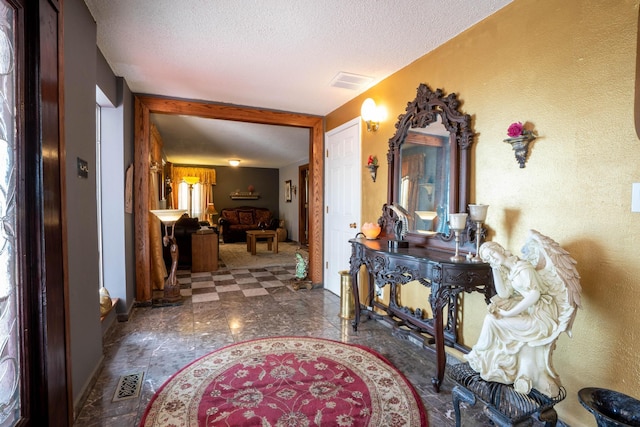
x,y
429,167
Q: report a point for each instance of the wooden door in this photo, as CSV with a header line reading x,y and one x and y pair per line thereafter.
x,y
35,380
343,199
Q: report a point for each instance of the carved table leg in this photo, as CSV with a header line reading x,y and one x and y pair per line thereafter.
x,y
356,299
440,356
438,326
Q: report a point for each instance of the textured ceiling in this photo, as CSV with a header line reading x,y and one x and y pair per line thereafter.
x,y
265,146
275,54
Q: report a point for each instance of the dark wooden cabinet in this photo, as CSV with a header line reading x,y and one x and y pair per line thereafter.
x,y
204,252
434,270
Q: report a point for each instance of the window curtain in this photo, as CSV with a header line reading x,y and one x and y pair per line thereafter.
x,y
199,198
413,171
207,180
205,199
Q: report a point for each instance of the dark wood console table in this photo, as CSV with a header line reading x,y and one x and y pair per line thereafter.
x,y
433,269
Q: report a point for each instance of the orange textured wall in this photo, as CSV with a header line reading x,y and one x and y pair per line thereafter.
x,y
569,69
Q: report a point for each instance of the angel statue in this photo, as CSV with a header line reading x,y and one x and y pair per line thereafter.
x,y
536,301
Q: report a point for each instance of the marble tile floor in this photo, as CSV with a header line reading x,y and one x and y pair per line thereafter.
x,y
230,306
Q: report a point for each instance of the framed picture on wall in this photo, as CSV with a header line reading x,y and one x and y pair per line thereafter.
x,y
287,190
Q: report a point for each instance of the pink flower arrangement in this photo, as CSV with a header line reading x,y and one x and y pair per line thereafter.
x,y
373,160
515,129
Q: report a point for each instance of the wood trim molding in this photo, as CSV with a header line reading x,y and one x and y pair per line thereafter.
x,y
303,171
148,104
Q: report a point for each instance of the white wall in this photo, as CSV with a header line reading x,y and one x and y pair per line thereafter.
x,y
81,207
118,267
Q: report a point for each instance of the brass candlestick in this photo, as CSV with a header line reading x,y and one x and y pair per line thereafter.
x,y
458,223
478,215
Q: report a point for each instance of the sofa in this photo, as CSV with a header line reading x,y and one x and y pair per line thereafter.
x,y
234,222
183,229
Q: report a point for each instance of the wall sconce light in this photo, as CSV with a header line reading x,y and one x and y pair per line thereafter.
x,y
428,187
372,164
371,114
519,138
234,162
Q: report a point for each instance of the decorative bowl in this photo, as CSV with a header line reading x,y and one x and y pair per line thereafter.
x,y
610,408
371,230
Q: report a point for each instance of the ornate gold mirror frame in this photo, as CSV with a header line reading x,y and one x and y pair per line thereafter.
x,y
149,104
427,108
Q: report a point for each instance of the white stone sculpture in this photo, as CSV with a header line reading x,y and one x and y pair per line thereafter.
x,y
536,301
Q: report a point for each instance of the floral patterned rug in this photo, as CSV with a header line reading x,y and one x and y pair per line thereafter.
x,y
287,381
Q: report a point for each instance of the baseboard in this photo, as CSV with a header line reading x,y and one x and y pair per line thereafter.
x,y
124,317
86,389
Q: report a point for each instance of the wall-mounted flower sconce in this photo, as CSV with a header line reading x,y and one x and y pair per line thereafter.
x,y
371,114
519,138
372,164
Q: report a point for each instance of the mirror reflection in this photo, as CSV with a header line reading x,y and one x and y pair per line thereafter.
x,y
423,180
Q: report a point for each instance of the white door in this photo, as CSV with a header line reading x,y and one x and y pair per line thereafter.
x,y
342,199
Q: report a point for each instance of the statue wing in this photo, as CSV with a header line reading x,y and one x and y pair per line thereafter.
x,y
558,271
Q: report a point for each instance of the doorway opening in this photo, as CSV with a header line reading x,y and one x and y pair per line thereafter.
x,y
145,105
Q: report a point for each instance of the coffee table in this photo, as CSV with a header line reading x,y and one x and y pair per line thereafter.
x,y
269,235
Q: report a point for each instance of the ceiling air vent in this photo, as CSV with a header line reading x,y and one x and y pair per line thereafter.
x,y
350,81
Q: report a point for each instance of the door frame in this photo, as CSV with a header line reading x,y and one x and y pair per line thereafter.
x,y
303,205
145,105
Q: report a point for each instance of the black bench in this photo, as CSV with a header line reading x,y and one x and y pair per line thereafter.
x,y
502,404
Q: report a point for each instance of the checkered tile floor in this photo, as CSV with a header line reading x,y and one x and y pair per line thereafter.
x,y
249,282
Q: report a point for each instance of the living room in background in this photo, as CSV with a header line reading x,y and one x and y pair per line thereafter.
x,y
147,105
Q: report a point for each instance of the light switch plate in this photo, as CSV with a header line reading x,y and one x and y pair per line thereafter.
x,y
635,197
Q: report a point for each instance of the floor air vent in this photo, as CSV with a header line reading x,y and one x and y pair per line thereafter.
x,y
128,386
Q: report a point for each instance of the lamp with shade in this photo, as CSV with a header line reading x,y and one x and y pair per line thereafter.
x,y
191,181
171,294
211,212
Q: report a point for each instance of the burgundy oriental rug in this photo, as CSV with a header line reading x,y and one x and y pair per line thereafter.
x,y
287,381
